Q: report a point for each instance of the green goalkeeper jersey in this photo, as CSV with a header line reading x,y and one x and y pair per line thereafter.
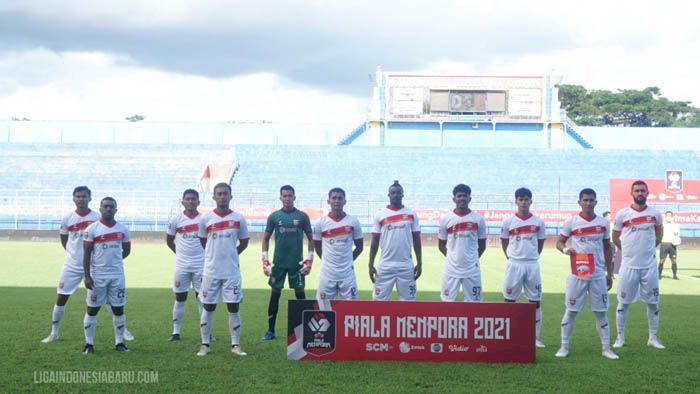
x,y
289,228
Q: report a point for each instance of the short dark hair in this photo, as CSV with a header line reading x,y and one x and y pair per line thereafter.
x,y
396,184
606,214
190,191
79,189
108,199
588,191
523,192
461,188
287,187
639,182
222,184
336,190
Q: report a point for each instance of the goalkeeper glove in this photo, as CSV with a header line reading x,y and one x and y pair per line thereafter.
x,y
306,264
267,267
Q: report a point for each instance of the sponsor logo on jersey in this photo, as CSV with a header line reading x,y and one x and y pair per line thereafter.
x,y
319,332
509,290
296,222
572,301
177,283
623,294
60,285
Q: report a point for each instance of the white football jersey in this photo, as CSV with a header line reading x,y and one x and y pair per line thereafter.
x,y
73,225
337,237
638,236
189,256
462,233
523,235
587,237
107,249
222,234
396,228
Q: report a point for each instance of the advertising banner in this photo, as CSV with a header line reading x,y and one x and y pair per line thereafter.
x,y
411,331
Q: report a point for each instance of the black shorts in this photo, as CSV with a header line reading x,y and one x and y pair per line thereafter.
x,y
667,249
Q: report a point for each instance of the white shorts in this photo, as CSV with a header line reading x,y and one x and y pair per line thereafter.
x,y
638,283
110,291
214,290
525,277
183,280
329,289
576,290
69,281
471,288
385,279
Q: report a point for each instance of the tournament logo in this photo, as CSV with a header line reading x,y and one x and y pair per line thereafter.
x,y
572,301
93,298
674,181
623,294
446,292
509,290
319,332
377,291
177,283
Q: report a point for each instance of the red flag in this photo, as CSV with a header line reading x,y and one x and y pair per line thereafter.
x,y
582,265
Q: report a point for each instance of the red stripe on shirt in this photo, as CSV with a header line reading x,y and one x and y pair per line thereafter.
x,y
463,227
190,228
109,237
524,230
639,220
225,225
80,226
334,232
591,230
396,218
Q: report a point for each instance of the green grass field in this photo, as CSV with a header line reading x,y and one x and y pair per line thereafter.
x,y
31,271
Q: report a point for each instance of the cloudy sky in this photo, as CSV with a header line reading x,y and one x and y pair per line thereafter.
x,y
220,60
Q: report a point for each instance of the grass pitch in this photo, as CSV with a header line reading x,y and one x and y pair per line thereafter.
x,y
28,293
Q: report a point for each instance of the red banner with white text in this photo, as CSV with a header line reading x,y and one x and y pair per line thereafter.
x,y
412,331
661,191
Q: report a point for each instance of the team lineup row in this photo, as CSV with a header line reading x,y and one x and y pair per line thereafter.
x,y
207,248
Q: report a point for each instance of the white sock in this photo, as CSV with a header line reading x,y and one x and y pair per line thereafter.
x,y
603,327
205,326
234,326
178,315
538,322
56,318
567,326
89,323
200,306
653,318
621,319
119,327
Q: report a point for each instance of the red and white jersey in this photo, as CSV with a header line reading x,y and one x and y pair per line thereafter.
x,y
462,233
189,256
523,235
337,237
107,249
587,237
73,225
395,228
222,233
638,236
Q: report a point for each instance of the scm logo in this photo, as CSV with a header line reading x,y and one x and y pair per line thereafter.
x,y
377,347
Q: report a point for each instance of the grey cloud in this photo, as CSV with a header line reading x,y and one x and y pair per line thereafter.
x,y
335,58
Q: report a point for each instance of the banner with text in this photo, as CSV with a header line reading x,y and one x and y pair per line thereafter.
x,y
673,190
496,215
411,331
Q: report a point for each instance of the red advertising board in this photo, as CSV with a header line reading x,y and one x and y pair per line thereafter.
x,y
673,190
496,215
412,331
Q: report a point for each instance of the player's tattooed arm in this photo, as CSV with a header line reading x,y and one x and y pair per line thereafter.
x,y
373,248
659,234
